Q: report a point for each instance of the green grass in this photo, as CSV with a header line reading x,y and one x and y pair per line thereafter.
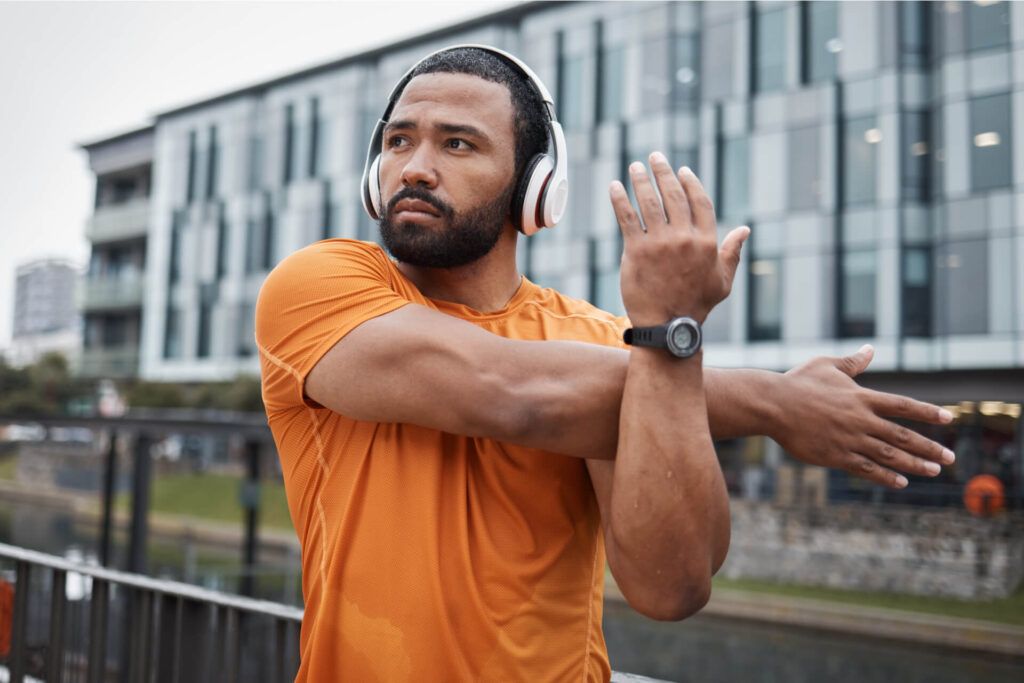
x,y
214,497
1006,611
8,465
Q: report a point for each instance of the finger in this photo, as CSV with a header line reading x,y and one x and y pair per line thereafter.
x,y
898,459
651,211
910,441
629,222
866,468
677,208
895,405
729,252
856,363
701,207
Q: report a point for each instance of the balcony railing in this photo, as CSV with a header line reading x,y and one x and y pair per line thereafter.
x,y
118,221
111,293
75,621
111,363
116,626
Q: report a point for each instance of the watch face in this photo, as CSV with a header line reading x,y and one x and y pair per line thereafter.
x,y
682,337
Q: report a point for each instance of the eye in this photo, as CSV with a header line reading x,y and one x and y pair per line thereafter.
x,y
395,141
458,144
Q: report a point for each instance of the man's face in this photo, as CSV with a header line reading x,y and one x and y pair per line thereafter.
x,y
447,170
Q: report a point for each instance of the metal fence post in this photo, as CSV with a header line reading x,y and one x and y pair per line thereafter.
x,y
141,477
250,498
109,486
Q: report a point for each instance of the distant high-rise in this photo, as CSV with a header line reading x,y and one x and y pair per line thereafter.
x,y
45,316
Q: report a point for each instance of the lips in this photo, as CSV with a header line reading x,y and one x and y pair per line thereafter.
x,y
416,206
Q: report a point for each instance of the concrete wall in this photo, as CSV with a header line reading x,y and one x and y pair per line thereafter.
x,y
884,548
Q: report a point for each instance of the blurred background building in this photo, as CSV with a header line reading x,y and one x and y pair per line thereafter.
x,y
45,315
871,146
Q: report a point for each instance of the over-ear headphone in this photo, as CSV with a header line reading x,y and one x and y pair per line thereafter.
x,y
542,191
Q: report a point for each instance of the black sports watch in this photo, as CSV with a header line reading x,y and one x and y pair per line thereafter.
x,y
680,336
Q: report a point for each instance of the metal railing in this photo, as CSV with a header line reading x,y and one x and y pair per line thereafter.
x,y
119,221
128,627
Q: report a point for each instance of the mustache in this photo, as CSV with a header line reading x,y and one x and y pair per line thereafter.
x,y
416,192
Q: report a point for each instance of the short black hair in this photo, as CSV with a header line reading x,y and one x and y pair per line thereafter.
x,y
529,117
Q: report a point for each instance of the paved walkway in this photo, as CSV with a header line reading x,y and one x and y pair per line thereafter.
x,y
876,622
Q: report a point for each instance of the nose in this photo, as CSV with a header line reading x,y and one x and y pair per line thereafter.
x,y
419,168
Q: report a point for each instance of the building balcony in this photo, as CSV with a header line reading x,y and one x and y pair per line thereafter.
x,y
111,293
116,362
118,222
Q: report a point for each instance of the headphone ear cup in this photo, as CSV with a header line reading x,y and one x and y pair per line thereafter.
x,y
373,188
527,205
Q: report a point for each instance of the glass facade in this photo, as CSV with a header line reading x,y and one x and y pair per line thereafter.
x,y
861,137
770,44
821,40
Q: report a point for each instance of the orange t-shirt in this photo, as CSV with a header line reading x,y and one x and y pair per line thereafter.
x,y
428,556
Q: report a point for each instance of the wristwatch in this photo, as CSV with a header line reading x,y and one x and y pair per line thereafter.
x,y
680,336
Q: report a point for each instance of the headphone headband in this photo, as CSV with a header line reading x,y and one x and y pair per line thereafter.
x,y
542,192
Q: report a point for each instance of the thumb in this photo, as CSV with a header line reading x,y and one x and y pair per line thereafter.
x,y
729,252
858,362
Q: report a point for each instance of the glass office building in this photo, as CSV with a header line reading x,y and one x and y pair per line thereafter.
x,y
876,149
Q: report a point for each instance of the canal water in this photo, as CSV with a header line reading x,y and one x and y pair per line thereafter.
x,y
702,649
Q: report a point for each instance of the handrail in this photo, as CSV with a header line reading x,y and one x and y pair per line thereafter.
x,y
147,583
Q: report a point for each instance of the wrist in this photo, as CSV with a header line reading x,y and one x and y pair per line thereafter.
x,y
770,399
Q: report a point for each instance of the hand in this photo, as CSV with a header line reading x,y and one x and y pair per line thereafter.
x,y
828,419
674,267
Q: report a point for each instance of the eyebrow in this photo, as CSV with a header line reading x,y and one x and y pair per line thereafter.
x,y
449,128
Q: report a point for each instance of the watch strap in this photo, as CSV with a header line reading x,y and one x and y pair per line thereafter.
x,y
654,337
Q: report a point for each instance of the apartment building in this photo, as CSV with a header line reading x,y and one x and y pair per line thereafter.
x,y
111,292
45,318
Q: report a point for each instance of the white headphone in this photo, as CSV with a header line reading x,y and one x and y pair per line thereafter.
x,y
542,191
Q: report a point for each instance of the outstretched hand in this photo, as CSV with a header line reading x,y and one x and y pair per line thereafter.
x,y
828,419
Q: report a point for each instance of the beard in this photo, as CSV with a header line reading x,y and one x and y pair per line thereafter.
x,y
461,239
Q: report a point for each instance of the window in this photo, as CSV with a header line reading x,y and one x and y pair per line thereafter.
x,y
913,20
611,85
222,242
717,68
822,44
207,298
962,273
246,331
917,292
190,186
769,68
289,143
570,92
655,80
915,155
328,219
686,156
861,137
764,282
991,145
314,136
174,265
604,282
255,179
686,72
857,294
268,238
988,25
172,333
733,179
211,164
805,183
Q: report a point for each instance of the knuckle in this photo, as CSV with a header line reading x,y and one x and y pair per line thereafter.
x,y
903,405
704,202
902,435
888,453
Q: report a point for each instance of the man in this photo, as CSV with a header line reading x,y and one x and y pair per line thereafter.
x,y
462,449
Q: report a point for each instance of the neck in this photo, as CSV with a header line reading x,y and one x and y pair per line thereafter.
x,y
485,285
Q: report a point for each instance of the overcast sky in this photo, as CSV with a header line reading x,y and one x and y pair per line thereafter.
x,y
73,72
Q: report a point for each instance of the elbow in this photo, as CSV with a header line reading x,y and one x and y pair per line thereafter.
x,y
674,605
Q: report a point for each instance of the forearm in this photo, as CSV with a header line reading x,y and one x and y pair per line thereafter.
x,y
668,527
576,396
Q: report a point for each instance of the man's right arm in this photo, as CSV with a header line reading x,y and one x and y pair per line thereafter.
x,y
419,366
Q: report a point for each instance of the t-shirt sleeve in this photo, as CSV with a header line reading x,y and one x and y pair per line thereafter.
x,y
311,300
